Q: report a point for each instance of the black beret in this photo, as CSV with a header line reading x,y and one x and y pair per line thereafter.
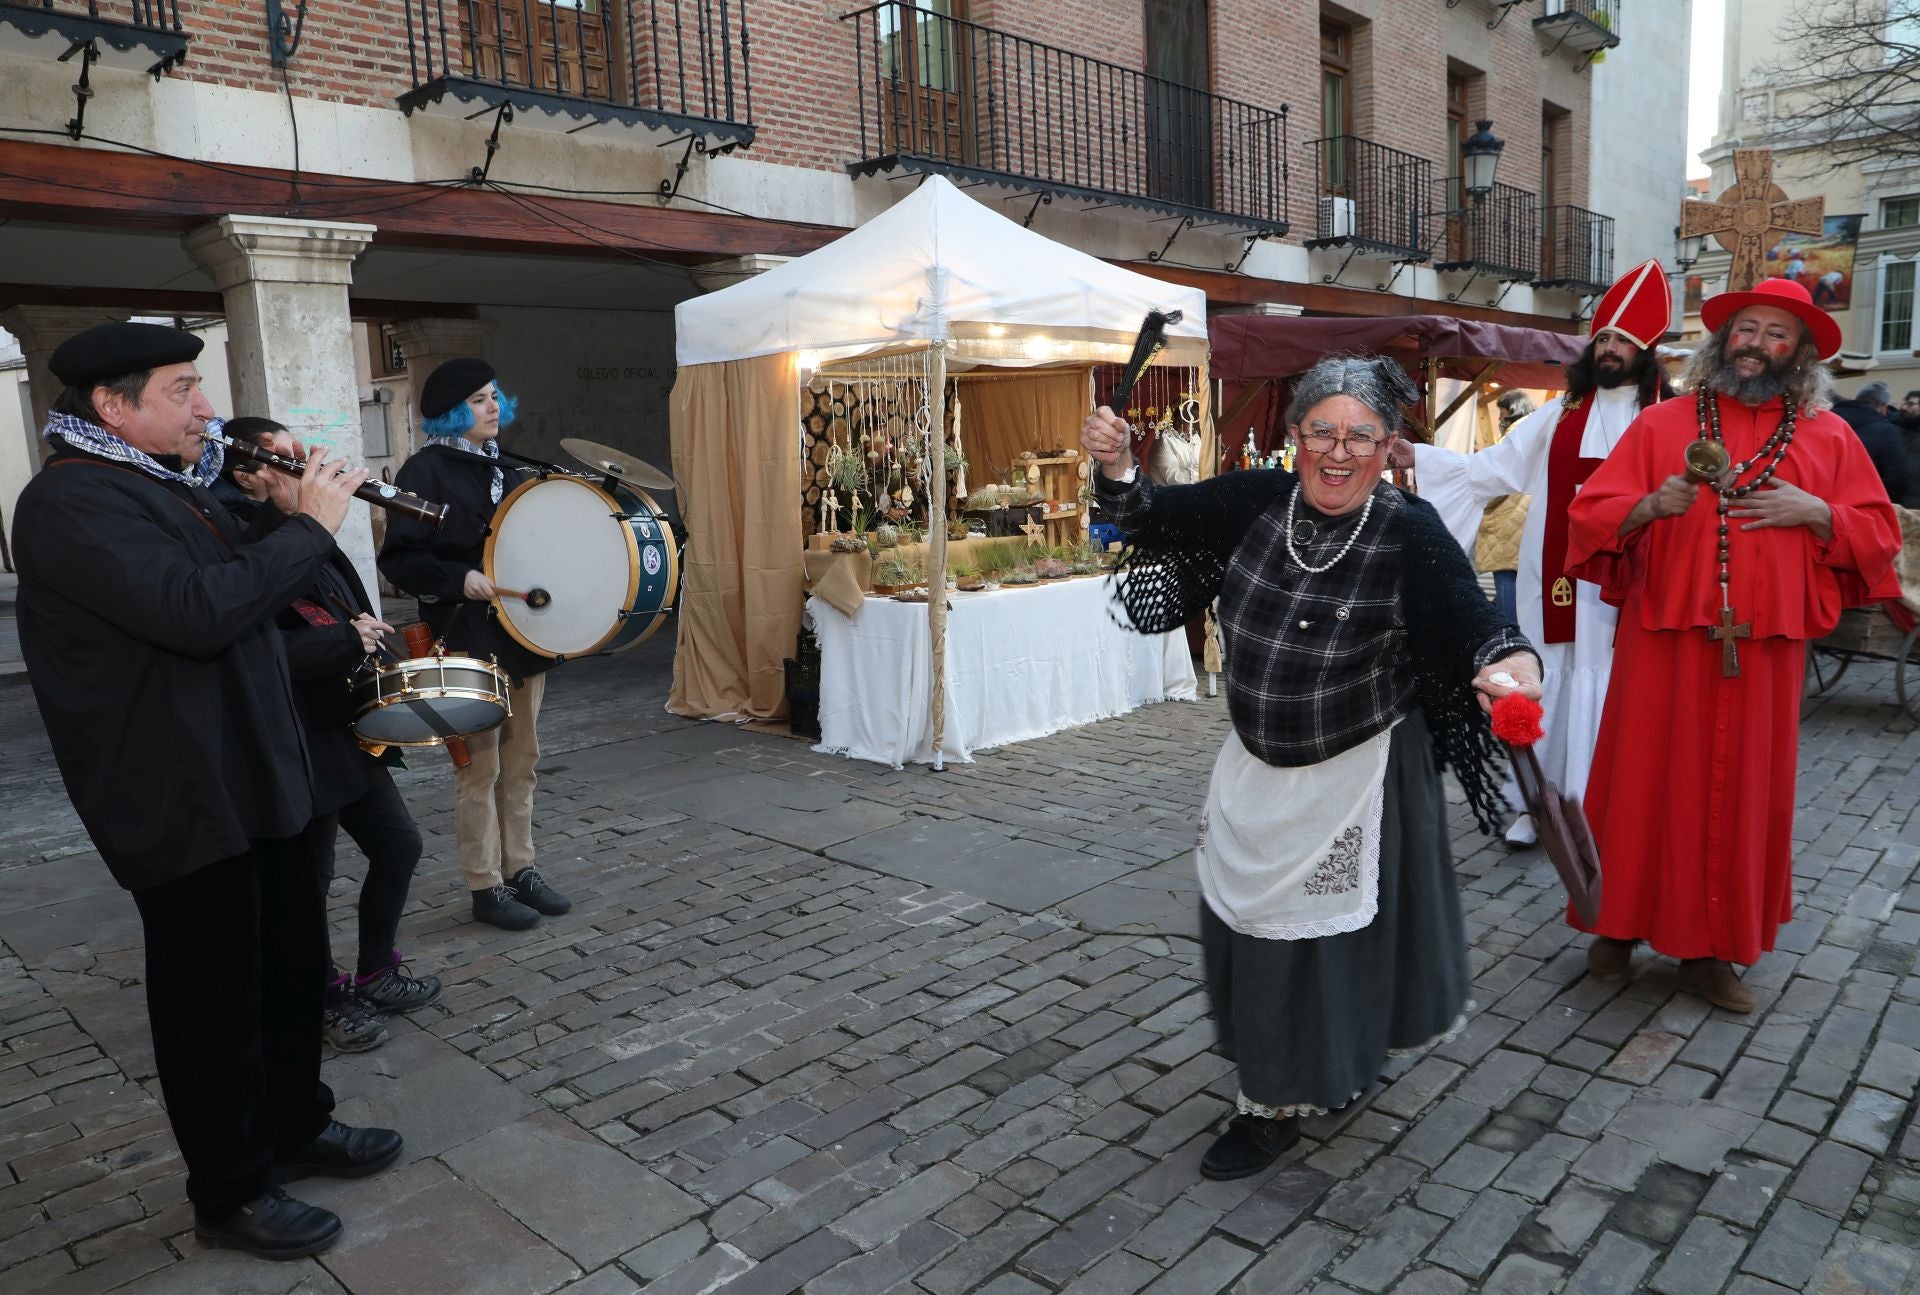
x,y
452,383
108,351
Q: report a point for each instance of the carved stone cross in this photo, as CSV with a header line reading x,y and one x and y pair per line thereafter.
x,y
1749,218
1726,632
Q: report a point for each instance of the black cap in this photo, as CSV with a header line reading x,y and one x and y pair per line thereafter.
x,y
108,351
452,383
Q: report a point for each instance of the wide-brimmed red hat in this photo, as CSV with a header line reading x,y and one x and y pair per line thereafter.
x,y
1781,294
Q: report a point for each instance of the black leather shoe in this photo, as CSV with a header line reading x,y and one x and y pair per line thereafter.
x,y
273,1227
1250,1144
499,906
532,890
341,1151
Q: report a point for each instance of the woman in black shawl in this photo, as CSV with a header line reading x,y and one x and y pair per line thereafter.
x,y
1360,658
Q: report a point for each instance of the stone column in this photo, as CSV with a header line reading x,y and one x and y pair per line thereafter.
x,y
290,336
39,330
427,343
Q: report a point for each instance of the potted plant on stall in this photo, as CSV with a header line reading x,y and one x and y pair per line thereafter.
x,y
1051,564
1020,574
891,574
1083,560
886,536
967,578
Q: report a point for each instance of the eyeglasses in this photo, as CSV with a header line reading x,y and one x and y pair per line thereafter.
x,y
1358,445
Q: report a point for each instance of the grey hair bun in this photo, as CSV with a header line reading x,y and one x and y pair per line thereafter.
x,y
1375,381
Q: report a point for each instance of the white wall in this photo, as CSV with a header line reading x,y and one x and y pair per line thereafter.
x,y
1638,165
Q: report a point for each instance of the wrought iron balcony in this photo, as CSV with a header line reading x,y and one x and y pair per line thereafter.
x,y
1576,250
940,94
1585,25
1371,197
679,67
1497,235
137,35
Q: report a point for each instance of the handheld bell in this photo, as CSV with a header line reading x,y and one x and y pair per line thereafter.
x,y
1707,460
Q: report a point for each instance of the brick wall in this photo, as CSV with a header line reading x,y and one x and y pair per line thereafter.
x,y
805,102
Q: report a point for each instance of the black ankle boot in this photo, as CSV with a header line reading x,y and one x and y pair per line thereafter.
x,y
1250,1144
500,906
533,891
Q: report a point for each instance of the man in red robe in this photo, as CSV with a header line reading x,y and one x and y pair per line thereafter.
x,y
1720,584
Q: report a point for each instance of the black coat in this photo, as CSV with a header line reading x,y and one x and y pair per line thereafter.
x,y
146,622
432,565
320,658
1885,445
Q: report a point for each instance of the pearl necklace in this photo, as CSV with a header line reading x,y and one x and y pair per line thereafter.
x,y
1292,504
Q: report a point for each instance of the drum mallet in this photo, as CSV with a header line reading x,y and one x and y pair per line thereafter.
x,y
535,597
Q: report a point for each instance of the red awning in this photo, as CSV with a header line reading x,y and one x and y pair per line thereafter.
x,y
1250,347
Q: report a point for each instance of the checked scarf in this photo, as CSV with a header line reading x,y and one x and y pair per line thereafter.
x,y
489,450
94,439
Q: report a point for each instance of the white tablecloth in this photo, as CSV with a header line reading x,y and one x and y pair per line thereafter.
x,y
1021,663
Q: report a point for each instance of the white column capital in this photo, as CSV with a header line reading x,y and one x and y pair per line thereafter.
x,y
277,249
715,275
45,327
428,335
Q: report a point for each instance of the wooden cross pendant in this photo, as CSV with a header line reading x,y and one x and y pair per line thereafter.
x,y
1726,632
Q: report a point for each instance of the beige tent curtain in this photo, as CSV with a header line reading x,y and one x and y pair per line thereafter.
x,y
735,429
1006,414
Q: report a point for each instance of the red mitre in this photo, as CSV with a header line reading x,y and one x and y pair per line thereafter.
x,y
1639,305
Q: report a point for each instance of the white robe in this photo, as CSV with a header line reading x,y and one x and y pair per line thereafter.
x,y
1460,486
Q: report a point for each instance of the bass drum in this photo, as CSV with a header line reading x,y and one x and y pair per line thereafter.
x,y
593,570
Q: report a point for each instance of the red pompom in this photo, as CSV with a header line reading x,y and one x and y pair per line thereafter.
x,y
1516,720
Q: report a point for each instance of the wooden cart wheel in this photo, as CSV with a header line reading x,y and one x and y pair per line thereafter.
x,y
1824,668
1909,696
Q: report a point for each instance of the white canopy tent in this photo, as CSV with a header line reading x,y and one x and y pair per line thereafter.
x,y
937,273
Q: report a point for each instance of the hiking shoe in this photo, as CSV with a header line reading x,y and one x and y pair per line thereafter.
x,y
534,891
391,989
1717,982
348,1022
500,906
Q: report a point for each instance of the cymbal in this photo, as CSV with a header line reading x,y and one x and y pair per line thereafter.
x,y
608,461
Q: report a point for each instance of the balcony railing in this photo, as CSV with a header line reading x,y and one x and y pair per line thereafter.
x,y
1584,25
1576,249
679,66
1496,235
1371,196
144,35
945,95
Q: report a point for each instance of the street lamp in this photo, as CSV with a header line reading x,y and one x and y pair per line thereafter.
x,y
1479,158
1686,249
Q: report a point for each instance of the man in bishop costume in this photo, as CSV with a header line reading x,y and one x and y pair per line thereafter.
x,y
1721,578
1547,455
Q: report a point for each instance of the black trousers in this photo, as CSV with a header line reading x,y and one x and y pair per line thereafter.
x,y
236,967
380,825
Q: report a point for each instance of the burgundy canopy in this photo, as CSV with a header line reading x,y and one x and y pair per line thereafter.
x,y
1250,347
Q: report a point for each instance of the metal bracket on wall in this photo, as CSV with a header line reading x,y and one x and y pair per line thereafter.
x,y
1505,288
1039,200
669,189
1184,224
83,88
500,118
1394,277
283,33
1233,267
1462,290
1352,252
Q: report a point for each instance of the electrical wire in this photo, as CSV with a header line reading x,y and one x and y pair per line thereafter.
x,y
286,83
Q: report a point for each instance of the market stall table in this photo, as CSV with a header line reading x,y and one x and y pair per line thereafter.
x,y
1021,663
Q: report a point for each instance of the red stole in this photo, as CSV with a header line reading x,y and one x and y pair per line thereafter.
x,y
1566,473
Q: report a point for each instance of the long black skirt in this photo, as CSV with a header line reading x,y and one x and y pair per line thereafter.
x,y
1310,1022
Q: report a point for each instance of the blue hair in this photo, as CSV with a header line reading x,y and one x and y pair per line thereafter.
x,y
458,421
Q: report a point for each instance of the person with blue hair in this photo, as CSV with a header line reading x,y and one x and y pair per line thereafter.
x,y
463,410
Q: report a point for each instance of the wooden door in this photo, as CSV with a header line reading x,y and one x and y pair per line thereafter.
x,y
567,53
1179,108
926,66
1459,227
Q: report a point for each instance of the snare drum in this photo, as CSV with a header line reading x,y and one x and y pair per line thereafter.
x,y
604,564
419,702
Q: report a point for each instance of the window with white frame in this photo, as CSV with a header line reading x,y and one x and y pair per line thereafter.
x,y
1899,213
1895,332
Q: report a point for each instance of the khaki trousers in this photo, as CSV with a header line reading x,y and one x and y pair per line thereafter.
x,y
493,796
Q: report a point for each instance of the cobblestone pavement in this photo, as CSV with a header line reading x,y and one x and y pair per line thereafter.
x,y
818,1026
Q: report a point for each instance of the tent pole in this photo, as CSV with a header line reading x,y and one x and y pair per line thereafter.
x,y
935,456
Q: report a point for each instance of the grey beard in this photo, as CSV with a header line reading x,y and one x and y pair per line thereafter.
x,y
1756,390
